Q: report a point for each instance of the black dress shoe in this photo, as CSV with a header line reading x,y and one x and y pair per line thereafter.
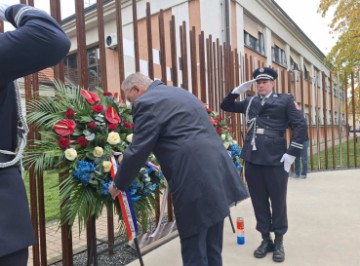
x,y
267,245
279,253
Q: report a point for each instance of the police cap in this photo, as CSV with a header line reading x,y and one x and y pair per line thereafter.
x,y
265,73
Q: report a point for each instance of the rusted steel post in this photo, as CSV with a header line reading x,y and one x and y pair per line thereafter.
x,y
193,62
353,115
162,47
149,42
202,68
101,36
120,45
81,44
136,36
325,120
184,66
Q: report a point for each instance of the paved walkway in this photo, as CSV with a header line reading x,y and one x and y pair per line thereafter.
x,y
324,227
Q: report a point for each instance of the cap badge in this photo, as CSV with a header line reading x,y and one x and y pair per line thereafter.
x,y
261,70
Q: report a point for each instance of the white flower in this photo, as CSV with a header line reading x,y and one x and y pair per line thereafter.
x,y
107,166
235,142
223,136
226,145
113,138
70,154
98,151
129,138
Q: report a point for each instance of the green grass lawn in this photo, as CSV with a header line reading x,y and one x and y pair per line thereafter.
x,y
340,161
51,197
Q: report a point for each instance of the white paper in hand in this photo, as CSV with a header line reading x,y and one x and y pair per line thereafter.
x,y
243,87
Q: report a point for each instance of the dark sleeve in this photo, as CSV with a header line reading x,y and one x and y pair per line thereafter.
x,y
146,133
299,128
230,105
37,43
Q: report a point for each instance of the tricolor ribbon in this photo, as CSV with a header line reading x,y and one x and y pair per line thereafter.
x,y
163,204
126,205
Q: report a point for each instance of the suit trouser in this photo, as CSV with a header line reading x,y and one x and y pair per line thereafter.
x,y
204,248
268,184
18,258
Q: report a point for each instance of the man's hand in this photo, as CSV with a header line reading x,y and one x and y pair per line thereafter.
x,y
288,160
243,87
3,8
113,191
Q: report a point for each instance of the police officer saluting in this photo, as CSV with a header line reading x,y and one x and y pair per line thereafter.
x,y
266,155
36,43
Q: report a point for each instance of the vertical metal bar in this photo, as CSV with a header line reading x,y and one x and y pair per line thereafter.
x,y
173,52
55,10
162,47
193,62
283,82
353,115
149,41
215,81
210,88
120,45
325,120
202,67
185,79
347,119
221,76
1,26
101,34
81,44
110,228
136,36
310,104
332,122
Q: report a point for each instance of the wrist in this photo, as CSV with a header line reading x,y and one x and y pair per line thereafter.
x,y
115,187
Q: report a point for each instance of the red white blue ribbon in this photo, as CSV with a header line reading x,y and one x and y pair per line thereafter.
x,y
126,205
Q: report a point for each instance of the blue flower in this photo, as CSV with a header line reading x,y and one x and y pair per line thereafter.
x,y
83,171
105,187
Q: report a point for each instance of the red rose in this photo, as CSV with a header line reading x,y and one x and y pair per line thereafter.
x,y
219,117
116,95
65,127
112,116
69,113
98,108
64,143
107,93
213,121
128,125
208,110
229,129
218,130
90,96
112,127
82,141
91,125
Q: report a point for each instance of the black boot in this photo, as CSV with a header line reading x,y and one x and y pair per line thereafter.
x,y
267,245
279,253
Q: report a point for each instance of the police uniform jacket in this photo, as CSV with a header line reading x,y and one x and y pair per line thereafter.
x,y
174,125
38,42
270,122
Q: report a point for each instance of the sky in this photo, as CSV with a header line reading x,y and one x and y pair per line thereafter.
x,y
303,13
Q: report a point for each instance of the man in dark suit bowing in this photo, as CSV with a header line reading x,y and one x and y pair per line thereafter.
x,y
36,43
267,157
174,125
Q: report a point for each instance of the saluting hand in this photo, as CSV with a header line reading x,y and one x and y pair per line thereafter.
x,y
288,160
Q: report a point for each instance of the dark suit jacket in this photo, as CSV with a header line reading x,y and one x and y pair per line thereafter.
x,y
203,180
37,43
276,114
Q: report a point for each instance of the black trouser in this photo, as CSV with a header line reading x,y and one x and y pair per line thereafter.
x,y
18,258
204,248
268,184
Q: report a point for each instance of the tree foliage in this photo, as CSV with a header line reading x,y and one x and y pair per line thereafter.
x,y
345,24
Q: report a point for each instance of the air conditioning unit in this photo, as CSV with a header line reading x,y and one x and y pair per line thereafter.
x,y
111,41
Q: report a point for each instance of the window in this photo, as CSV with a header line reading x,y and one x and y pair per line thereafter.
x,y
306,75
293,64
278,55
93,61
256,44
